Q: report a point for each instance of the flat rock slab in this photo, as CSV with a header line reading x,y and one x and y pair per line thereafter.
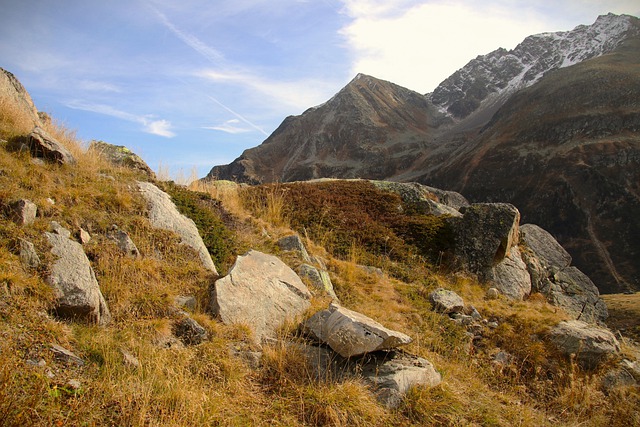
x,y
163,214
350,333
592,345
75,285
261,292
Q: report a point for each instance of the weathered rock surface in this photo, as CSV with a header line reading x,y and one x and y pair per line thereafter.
x,y
485,235
260,291
545,247
625,374
12,91
294,243
350,333
44,146
511,277
317,278
28,255
446,301
66,356
75,286
121,156
124,242
572,290
428,199
592,345
393,378
163,214
22,212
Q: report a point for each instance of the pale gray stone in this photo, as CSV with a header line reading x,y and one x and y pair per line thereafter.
x,y
319,279
75,286
592,345
43,145
124,242
22,212
511,277
28,255
163,214
260,291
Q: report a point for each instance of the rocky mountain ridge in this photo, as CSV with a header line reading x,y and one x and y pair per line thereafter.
x,y
518,126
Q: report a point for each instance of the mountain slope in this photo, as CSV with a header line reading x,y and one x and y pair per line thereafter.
x,y
566,151
369,128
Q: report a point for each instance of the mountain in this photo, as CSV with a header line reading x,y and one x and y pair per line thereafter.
x,y
551,126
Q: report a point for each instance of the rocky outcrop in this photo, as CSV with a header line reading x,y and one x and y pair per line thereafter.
x,y
563,285
293,243
121,156
163,214
318,278
485,235
12,92
350,333
426,199
76,289
44,146
261,292
591,345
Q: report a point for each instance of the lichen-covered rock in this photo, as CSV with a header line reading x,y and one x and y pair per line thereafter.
x,y
317,278
75,286
350,333
592,345
121,156
163,214
511,277
261,292
446,301
430,200
294,243
484,235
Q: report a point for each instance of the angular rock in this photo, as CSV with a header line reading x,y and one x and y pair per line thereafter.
x,y
393,378
592,345
83,236
484,235
625,374
446,301
511,277
66,356
318,278
163,214
60,230
572,290
43,145
28,255
428,199
186,301
294,243
189,331
22,212
261,292
350,333
124,242
75,286
545,247
121,156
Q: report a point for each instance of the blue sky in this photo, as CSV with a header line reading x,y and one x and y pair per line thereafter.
x,y
192,83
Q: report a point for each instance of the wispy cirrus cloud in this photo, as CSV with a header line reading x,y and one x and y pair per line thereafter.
x,y
149,124
232,126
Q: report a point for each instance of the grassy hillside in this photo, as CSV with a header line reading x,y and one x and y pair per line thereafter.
x,y
347,225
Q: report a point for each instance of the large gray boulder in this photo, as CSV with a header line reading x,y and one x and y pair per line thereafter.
x,y
75,286
592,345
163,214
484,235
121,156
44,146
350,333
261,292
572,290
511,277
543,254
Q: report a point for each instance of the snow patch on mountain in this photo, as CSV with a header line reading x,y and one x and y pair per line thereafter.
x,y
501,72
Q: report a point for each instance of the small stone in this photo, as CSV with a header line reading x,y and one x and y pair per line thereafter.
x,y
28,256
84,236
22,212
74,384
294,243
189,331
129,359
446,301
492,325
186,302
66,356
493,293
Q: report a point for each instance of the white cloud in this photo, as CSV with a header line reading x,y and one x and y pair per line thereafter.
x,y
230,126
427,41
149,125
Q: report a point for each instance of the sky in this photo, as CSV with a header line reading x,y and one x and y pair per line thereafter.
x,y
190,84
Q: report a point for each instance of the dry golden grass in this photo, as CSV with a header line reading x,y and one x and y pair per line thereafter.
x,y
14,120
